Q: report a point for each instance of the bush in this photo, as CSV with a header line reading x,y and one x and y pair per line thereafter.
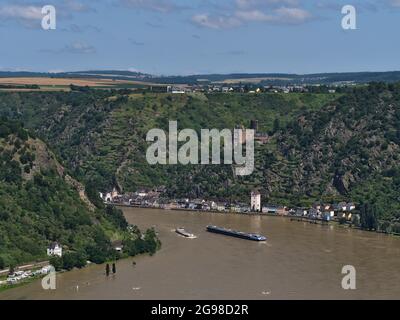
x,y
56,262
93,195
116,217
72,260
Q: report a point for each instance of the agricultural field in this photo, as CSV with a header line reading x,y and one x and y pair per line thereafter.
x,y
63,84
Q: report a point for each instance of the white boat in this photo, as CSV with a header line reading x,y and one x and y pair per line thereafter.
x,y
184,233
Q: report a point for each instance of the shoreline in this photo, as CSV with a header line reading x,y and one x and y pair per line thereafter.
x,y
258,214
250,214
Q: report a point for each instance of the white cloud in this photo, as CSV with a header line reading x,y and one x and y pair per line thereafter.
x,y
279,15
262,11
257,4
292,15
153,5
394,3
76,6
21,12
76,47
79,47
216,22
81,28
254,15
31,15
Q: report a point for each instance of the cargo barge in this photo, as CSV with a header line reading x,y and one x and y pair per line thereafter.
x,y
236,234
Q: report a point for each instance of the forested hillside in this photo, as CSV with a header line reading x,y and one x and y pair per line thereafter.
x,y
41,203
101,136
322,146
349,149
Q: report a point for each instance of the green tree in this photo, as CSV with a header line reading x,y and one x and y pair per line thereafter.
x,y
12,268
152,243
56,262
277,125
369,219
69,260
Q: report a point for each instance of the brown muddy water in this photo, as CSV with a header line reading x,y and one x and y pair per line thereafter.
x,y
299,261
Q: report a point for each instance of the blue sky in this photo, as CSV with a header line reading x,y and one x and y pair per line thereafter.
x,y
172,37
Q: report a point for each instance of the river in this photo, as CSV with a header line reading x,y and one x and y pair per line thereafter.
x,y
298,261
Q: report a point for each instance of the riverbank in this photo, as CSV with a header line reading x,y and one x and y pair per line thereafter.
x,y
23,275
26,267
196,210
291,217
5,287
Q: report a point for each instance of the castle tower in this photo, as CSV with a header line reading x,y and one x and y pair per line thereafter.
x,y
255,201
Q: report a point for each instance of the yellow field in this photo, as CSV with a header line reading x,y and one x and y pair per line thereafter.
x,y
57,82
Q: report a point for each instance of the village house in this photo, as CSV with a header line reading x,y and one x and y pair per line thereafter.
x,y
221,207
342,206
271,209
234,208
317,206
245,209
114,193
54,249
282,211
142,193
108,197
329,210
326,207
326,216
118,246
206,206
301,212
313,213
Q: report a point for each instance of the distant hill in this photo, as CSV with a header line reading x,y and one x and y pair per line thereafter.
x,y
260,78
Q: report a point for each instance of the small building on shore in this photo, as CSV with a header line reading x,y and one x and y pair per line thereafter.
x,y
255,201
54,249
271,209
118,246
